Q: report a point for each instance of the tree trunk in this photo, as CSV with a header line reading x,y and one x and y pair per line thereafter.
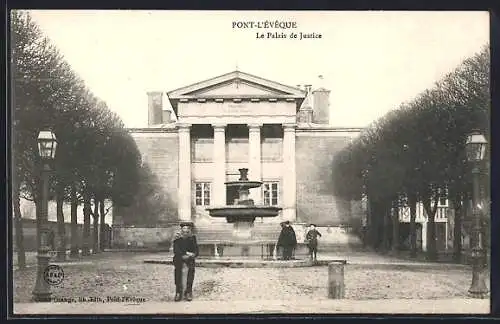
x,y
102,228
431,226
369,223
18,220
86,224
387,230
21,253
379,227
412,201
395,226
61,230
75,248
431,238
95,227
374,224
457,230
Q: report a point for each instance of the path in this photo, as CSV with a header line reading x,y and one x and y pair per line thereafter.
x,y
366,277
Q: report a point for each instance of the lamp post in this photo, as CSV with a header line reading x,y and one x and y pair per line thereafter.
x,y
46,148
475,149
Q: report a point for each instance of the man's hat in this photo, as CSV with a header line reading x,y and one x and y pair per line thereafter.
x,y
189,224
286,222
312,225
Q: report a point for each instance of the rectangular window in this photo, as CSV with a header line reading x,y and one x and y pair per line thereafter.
x,y
272,149
270,191
202,193
443,197
202,149
237,150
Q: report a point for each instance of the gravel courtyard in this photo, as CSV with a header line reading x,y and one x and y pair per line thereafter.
x,y
124,274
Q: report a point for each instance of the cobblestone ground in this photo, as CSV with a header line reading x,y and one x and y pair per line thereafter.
x,y
118,275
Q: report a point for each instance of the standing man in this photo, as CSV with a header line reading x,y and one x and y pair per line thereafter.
x,y
279,244
185,252
312,241
287,240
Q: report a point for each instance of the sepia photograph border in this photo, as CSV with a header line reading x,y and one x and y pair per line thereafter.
x,y
219,5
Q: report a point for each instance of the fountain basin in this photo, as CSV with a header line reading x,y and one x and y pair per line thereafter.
x,y
244,184
242,217
235,213
243,212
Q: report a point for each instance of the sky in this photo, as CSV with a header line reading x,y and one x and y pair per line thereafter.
x,y
370,60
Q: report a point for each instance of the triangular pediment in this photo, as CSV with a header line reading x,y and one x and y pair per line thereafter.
x,y
236,84
237,87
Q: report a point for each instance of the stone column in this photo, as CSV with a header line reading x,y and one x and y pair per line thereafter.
x,y
336,286
254,160
219,165
289,177
184,186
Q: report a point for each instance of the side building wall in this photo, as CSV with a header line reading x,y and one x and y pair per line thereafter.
x,y
159,152
315,151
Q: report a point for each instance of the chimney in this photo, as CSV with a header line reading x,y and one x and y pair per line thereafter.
x,y
155,108
321,104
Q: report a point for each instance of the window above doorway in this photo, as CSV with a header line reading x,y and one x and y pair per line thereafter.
x,y
202,193
270,192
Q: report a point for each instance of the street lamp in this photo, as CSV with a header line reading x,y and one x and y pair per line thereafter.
x,y
47,144
475,149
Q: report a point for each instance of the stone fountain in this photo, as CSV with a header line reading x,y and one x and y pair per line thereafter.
x,y
243,212
242,215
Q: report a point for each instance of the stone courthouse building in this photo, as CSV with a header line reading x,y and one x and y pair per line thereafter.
x,y
237,120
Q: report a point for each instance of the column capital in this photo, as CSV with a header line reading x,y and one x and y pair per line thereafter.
x,y
219,126
184,127
254,126
289,127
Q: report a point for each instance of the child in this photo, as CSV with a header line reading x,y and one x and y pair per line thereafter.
x,y
312,241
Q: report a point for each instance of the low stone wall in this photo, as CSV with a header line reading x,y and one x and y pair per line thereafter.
x,y
143,237
29,234
337,235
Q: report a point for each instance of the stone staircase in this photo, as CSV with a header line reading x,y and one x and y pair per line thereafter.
x,y
265,236
219,236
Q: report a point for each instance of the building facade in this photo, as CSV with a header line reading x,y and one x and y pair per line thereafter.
x,y
444,231
237,120
282,134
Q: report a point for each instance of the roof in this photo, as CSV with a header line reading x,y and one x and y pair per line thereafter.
x,y
226,86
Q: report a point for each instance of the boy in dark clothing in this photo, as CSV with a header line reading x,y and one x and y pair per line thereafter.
x,y
185,252
312,241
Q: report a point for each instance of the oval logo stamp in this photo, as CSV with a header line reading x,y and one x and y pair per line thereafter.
x,y
53,275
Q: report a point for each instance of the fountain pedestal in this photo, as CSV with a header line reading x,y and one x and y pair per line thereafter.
x,y
242,230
